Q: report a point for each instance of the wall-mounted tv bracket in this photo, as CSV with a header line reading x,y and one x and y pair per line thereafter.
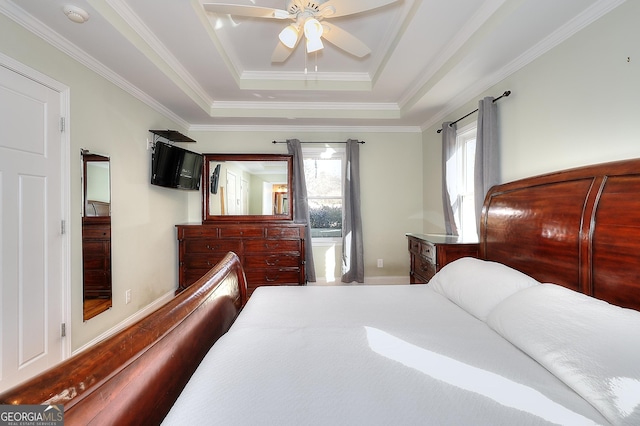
x,y
169,135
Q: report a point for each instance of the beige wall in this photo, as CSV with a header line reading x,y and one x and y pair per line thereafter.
x,y
577,104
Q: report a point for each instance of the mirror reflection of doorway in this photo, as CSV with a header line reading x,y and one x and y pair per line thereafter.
x,y
244,199
267,201
232,194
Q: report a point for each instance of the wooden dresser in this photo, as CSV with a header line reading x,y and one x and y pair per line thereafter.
x,y
96,257
271,253
430,252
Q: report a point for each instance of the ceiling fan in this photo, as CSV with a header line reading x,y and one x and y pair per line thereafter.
x,y
309,20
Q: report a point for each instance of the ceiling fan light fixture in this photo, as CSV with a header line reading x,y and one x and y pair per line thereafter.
x,y
312,29
289,36
314,44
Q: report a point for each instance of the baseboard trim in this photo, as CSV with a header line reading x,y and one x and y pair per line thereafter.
x,y
128,321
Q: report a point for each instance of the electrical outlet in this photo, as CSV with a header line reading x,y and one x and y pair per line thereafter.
x,y
149,144
380,263
127,296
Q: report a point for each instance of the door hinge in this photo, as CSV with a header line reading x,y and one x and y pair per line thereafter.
x,y
61,124
63,329
63,227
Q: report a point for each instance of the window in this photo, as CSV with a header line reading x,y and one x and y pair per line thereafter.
x,y
323,175
464,204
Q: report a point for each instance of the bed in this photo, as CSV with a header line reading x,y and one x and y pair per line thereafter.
x,y
543,329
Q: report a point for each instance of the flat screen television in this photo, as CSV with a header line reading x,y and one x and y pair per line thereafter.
x,y
175,167
215,178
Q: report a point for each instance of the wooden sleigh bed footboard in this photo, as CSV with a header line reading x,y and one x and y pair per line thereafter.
x,y
135,376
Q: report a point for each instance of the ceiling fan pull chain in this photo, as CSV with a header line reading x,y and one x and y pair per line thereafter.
x,y
316,53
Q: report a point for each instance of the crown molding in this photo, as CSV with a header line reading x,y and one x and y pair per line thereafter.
x,y
306,129
299,80
306,110
321,106
302,76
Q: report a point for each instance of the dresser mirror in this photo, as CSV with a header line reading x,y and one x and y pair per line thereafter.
x,y
247,187
96,234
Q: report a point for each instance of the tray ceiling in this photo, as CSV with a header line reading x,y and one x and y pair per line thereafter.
x,y
207,71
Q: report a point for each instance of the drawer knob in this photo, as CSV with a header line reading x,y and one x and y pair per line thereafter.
x,y
271,280
272,262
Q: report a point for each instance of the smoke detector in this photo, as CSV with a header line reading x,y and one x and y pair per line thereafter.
x,y
77,15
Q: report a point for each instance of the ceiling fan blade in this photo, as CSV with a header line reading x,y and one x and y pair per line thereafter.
x,y
243,10
349,7
281,53
344,40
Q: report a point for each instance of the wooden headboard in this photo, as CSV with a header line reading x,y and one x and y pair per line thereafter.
x,y
579,228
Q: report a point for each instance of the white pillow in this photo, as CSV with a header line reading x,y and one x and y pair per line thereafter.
x,y
477,285
592,346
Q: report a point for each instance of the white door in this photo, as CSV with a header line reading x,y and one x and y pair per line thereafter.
x,y
232,194
32,250
244,204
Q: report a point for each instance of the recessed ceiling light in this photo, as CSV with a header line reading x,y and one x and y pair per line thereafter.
x,y
76,14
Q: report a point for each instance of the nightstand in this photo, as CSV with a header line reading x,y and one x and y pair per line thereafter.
x,y
430,252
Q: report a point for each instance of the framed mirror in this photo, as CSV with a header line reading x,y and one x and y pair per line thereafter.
x,y
247,187
96,234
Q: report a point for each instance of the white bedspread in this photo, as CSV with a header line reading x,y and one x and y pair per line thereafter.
x,y
370,355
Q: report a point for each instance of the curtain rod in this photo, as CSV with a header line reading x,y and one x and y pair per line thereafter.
x,y
315,142
505,94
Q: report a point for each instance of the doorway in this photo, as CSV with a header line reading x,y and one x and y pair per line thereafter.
x,y
34,261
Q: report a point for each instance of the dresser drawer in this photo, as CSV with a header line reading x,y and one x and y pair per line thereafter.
x,y
242,232
428,251
271,261
285,232
95,248
258,277
269,246
424,269
414,246
211,246
96,232
95,262
197,231
203,261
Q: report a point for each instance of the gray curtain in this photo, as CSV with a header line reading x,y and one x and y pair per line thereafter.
x,y
352,248
300,204
448,149
487,161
